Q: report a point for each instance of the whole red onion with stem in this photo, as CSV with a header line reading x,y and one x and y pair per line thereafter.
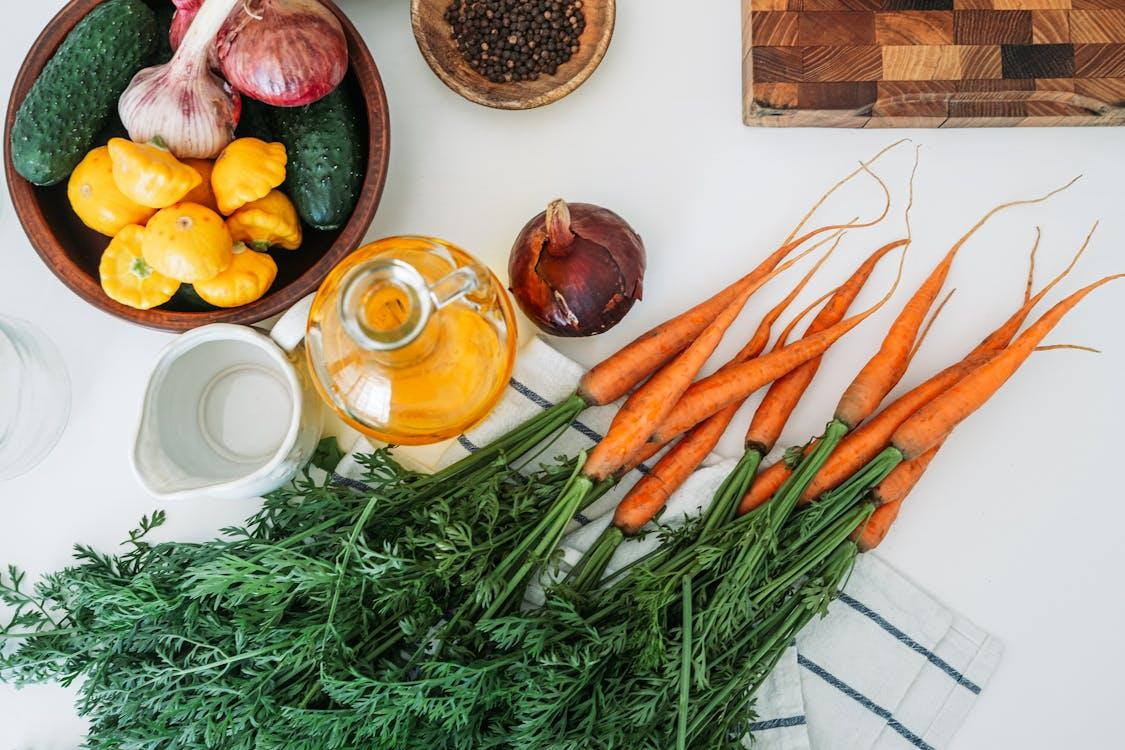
x,y
287,53
576,269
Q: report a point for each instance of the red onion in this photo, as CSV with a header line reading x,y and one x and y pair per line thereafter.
x,y
577,269
287,53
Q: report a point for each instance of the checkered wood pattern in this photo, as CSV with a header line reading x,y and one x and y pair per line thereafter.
x,y
934,63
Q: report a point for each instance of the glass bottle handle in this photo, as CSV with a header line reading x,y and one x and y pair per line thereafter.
x,y
460,283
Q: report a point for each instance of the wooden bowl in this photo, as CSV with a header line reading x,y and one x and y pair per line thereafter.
x,y
73,251
435,39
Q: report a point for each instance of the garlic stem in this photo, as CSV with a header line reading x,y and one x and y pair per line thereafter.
x,y
210,18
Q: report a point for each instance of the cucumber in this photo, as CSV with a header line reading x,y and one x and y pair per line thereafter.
x,y
77,92
326,157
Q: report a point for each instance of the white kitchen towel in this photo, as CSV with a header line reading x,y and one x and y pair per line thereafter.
x,y
889,667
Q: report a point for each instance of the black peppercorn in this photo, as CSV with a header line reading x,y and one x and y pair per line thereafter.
x,y
516,40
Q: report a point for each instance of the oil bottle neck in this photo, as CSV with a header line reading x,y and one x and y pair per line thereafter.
x,y
387,306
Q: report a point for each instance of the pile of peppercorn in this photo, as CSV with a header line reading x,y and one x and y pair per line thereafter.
x,y
516,40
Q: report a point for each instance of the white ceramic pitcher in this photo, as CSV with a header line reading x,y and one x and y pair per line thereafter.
x,y
227,414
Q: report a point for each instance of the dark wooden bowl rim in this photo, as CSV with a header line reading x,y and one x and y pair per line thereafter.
x,y
25,195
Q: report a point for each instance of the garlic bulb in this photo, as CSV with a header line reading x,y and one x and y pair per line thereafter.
x,y
183,103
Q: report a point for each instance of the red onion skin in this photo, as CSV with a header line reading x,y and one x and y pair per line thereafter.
x,y
287,53
577,269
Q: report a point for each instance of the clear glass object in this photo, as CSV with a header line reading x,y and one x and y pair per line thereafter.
x,y
34,396
411,340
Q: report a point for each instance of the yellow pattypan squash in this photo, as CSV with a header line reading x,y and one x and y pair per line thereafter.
x,y
202,193
266,222
127,278
150,174
188,242
248,277
96,200
247,170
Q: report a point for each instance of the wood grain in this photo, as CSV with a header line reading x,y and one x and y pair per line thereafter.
x,y
435,41
992,27
921,63
1037,60
776,95
842,63
1109,91
1031,4
1051,26
774,29
1099,60
778,64
935,63
914,27
850,95
981,61
73,252
1097,26
835,28
914,98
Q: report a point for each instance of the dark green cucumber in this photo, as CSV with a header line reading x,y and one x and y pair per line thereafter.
x,y
77,92
326,152
163,51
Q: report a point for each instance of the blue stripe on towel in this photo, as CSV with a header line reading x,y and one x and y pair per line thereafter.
x,y
467,444
910,643
577,425
788,721
864,701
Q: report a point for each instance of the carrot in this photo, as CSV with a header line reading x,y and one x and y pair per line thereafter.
x,y
889,494
864,444
883,371
785,392
649,496
650,404
937,419
871,534
613,378
734,384
901,481
783,337
755,346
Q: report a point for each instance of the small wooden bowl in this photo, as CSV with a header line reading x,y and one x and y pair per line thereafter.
x,y
435,39
73,251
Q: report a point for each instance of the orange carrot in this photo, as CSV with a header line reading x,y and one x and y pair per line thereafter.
x,y
734,384
871,534
864,444
898,484
651,492
937,419
752,349
782,397
883,371
650,404
783,337
613,378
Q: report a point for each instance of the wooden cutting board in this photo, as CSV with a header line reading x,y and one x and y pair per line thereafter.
x,y
933,63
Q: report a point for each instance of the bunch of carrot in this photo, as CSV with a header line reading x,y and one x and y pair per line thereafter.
x,y
695,627
736,587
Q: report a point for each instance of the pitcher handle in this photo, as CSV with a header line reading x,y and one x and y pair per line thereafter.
x,y
289,330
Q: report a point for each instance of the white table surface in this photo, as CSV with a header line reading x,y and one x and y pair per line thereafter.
x,y
1018,525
